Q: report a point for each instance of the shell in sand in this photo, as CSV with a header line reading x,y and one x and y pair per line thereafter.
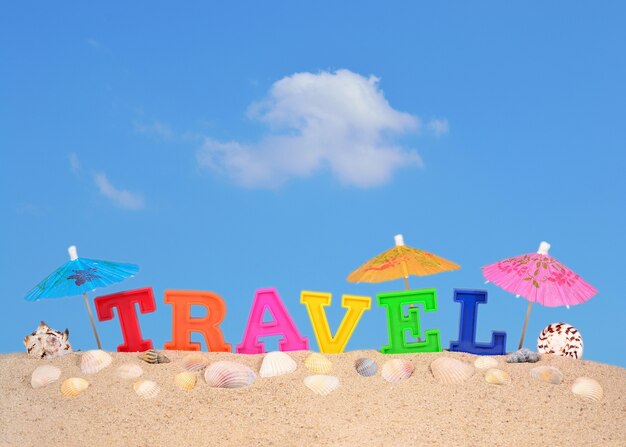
x,y
152,356
194,362
94,361
227,374
46,342
497,377
485,362
318,364
185,380
560,339
451,371
366,367
587,388
73,386
397,370
146,389
548,374
129,371
277,364
322,384
44,375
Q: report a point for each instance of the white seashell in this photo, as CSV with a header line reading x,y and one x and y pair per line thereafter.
x,y
227,374
322,384
195,362
93,361
129,371
548,374
146,389
366,367
497,377
560,339
44,375
587,388
450,371
185,380
46,342
485,362
318,364
397,370
73,386
277,364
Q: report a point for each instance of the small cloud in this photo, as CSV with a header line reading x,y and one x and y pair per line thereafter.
x,y
75,165
438,126
121,197
157,129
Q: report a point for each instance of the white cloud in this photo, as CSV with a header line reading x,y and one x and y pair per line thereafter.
x,y
121,197
438,126
338,121
75,165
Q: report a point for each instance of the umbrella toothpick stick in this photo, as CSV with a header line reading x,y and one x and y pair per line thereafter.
x,y
93,324
521,340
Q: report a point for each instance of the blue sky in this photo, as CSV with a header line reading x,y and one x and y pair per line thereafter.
x,y
243,146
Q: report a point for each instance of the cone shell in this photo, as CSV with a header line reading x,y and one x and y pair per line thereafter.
x,y
397,370
587,388
94,361
497,377
322,384
451,371
129,371
548,374
485,362
185,380
44,375
146,389
277,364
152,356
318,364
195,362
73,386
227,374
560,339
366,367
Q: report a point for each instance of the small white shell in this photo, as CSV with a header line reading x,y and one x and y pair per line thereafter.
x,y
497,377
548,374
587,388
227,374
94,361
185,380
451,371
44,375
129,371
366,367
73,386
397,370
560,339
318,364
195,362
277,364
146,389
485,362
322,384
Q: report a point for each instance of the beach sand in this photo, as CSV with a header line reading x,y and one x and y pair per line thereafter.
x,y
281,411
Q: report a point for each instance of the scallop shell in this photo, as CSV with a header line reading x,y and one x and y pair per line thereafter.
x,y
185,380
73,386
195,362
548,374
44,375
322,384
129,371
152,356
450,371
318,364
146,389
497,377
94,361
561,339
366,367
587,388
227,374
485,362
276,364
397,370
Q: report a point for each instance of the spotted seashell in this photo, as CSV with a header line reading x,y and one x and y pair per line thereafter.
x,y
44,375
227,374
94,361
523,356
46,342
485,362
318,364
185,380
146,389
194,362
561,339
152,356
366,367
548,374
451,371
129,371
397,370
587,388
73,386
277,364
497,377
322,384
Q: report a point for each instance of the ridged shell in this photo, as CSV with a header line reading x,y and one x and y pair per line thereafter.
x,y
318,364
322,384
587,388
147,389
450,371
185,380
485,362
129,371
44,375
94,361
227,374
548,374
497,377
152,356
277,364
560,339
366,367
397,370
194,362
73,386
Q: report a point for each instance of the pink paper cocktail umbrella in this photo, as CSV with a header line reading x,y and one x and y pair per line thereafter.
x,y
539,278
